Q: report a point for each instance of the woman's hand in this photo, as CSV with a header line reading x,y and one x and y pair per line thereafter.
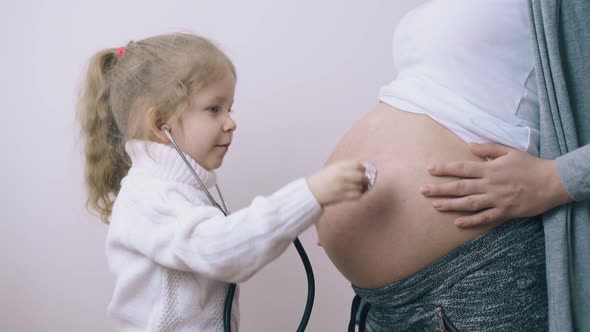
x,y
340,181
510,184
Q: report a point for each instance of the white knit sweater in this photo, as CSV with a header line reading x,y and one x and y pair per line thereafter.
x,y
173,254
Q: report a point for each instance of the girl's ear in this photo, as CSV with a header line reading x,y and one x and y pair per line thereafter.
x,y
155,124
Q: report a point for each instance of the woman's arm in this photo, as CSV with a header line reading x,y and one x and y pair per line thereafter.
x,y
510,184
574,171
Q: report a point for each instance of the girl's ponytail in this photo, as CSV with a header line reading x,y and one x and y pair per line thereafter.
x,y
106,160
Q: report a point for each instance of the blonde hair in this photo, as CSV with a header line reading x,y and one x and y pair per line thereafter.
x,y
126,90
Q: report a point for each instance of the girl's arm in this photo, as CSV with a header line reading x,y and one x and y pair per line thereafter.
x,y
201,239
176,234
233,248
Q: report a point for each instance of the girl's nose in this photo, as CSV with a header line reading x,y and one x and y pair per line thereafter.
x,y
229,124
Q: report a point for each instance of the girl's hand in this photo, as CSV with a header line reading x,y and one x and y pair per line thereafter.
x,y
512,184
340,181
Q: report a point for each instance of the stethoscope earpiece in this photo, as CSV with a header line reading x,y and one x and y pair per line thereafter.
x,y
166,129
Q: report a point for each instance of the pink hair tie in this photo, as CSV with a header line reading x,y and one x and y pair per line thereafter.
x,y
120,52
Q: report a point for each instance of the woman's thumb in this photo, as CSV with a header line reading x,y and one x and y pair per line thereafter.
x,y
489,150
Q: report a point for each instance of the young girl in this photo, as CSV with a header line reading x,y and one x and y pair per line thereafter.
x,y
172,252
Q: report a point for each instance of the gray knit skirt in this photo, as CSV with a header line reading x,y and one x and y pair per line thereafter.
x,y
495,282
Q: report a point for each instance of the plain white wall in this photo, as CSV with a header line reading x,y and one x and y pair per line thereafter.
x,y
307,70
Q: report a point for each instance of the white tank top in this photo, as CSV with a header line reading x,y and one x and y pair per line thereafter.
x,y
468,64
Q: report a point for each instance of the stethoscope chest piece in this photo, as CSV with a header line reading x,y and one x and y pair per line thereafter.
x,y
371,174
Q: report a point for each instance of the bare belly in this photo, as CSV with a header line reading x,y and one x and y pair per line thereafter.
x,y
392,231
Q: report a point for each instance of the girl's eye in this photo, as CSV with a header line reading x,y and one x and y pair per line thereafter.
x,y
214,109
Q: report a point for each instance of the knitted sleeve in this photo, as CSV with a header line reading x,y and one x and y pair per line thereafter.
x,y
201,239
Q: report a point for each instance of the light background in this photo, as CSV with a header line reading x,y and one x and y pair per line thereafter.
x,y
307,70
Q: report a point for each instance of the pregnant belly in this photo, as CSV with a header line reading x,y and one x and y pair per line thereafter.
x,y
392,231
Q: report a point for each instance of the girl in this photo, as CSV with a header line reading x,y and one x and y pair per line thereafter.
x,y
173,254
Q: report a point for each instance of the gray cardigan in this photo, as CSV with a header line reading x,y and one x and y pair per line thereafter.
x,y
561,38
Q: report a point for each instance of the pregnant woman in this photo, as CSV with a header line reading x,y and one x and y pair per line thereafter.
x,y
465,73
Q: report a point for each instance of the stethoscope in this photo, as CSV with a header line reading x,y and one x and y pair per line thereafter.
x,y
370,172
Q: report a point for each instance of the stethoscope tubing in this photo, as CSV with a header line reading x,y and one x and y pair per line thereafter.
x,y
227,308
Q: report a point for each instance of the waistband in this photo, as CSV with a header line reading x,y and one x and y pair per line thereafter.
x,y
511,242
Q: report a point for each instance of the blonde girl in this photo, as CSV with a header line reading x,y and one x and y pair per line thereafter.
x,y
173,254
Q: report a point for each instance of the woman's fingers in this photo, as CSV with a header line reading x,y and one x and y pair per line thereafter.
x,y
488,216
457,188
470,203
460,169
489,150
